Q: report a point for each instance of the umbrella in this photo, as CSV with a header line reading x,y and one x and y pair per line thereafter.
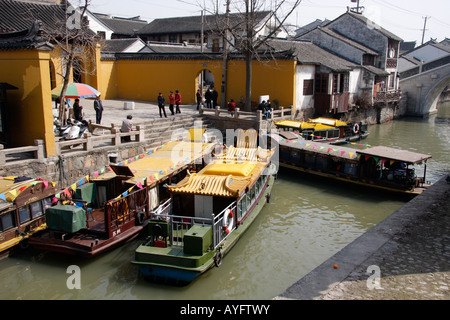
x,y
76,90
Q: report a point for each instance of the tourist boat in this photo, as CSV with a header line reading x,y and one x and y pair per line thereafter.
x,y
207,214
378,167
23,202
114,207
328,130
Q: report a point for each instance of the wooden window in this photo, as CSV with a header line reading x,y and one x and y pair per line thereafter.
x,y
308,87
368,60
321,83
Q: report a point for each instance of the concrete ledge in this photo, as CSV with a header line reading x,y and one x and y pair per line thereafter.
x,y
325,277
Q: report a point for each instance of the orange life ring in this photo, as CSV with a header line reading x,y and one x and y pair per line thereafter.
x,y
228,225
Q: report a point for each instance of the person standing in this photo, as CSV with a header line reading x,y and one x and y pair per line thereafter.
x,y
231,107
199,98
171,101
177,101
78,110
98,106
161,104
208,98
215,95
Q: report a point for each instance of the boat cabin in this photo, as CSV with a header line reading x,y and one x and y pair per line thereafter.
x,y
23,203
383,167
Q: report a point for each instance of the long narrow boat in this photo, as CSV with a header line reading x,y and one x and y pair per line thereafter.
x,y
377,167
327,130
23,202
114,207
207,214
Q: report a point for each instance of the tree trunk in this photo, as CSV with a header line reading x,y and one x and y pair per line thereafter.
x,y
248,81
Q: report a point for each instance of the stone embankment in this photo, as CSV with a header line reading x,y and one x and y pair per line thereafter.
x,y
405,257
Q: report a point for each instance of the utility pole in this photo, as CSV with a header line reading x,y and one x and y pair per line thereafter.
x,y
358,9
424,28
223,100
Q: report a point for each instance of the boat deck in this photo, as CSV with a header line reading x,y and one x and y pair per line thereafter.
x,y
172,255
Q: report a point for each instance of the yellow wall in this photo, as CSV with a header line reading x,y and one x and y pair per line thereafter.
x,y
30,107
144,79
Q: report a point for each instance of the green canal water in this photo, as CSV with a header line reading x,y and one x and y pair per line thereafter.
x,y
306,222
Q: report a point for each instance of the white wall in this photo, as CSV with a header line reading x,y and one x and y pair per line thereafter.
x,y
304,72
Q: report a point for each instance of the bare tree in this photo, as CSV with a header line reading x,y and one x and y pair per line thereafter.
x,y
74,39
247,33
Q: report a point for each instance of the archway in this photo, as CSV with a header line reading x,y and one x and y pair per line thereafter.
x,y
205,80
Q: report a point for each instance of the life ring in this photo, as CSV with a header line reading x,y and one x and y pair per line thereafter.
x,y
228,225
356,128
218,258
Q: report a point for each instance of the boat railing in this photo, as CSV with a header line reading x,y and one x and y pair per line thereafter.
x,y
218,231
124,210
179,225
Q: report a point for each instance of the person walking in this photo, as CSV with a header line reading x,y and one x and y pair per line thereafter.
x,y
98,106
199,98
177,101
161,104
171,102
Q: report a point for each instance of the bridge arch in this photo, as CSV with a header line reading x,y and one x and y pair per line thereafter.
x,y
433,94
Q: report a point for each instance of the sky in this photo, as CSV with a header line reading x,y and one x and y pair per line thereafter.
x,y
404,18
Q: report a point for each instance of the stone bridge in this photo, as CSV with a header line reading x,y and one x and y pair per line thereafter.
x,y
424,84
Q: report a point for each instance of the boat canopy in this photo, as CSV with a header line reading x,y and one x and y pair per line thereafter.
x,y
162,162
10,189
223,179
395,154
317,147
329,122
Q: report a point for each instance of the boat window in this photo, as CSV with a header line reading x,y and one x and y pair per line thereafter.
x,y
24,215
46,203
7,221
36,210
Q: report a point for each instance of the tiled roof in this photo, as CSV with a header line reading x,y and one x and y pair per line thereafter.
x,y
194,23
25,39
19,15
308,53
372,24
122,26
118,45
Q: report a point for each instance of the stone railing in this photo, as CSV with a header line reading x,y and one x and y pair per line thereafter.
x,y
35,152
89,142
258,116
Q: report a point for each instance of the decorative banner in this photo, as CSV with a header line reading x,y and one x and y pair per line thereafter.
x,y
2,196
342,153
329,149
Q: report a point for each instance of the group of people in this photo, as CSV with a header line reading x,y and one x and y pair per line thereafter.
x,y
265,107
77,110
174,100
211,96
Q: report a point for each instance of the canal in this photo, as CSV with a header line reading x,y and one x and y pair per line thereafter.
x,y
307,221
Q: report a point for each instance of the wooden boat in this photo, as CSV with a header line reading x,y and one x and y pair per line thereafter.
x,y
114,207
207,214
328,130
23,202
378,167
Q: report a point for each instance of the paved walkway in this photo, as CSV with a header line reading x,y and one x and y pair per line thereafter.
x,y
114,111
409,250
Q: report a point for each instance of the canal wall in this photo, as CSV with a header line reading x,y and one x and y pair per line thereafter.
x,y
404,257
